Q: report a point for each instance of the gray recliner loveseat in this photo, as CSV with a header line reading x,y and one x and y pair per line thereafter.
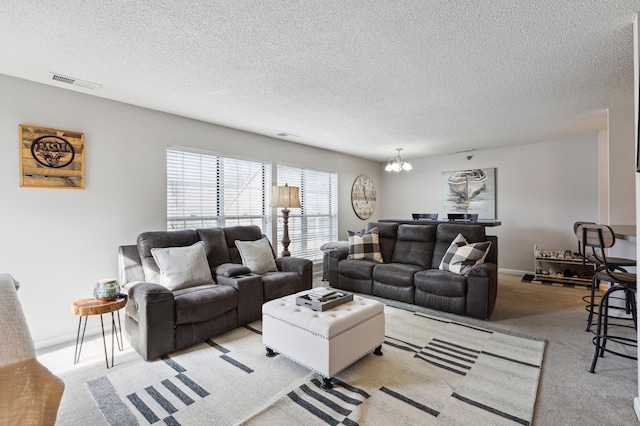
x,y
410,271
160,320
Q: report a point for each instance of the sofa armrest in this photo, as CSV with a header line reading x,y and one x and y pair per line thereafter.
x,y
334,257
302,267
250,295
231,270
339,253
293,264
150,319
129,265
482,289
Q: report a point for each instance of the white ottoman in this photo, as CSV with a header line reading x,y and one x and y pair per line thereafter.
x,y
325,342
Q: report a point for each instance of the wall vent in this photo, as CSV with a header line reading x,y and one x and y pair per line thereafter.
x,y
74,81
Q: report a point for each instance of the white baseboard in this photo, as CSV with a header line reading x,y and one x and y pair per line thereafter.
x,y
513,272
46,345
636,407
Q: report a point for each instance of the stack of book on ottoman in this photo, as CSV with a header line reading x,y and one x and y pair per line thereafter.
x,y
323,298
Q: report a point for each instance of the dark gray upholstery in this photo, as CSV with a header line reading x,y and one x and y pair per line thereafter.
x,y
410,272
355,275
242,233
387,235
447,232
160,321
198,304
415,244
213,239
149,240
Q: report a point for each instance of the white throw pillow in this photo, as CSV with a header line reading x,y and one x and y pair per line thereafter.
x,y
257,255
183,267
462,256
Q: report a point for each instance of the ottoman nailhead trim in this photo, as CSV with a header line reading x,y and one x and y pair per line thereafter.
x,y
320,335
331,374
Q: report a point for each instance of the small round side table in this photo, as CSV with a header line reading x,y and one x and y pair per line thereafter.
x,y
86,307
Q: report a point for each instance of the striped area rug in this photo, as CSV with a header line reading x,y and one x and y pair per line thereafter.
x,y
433,371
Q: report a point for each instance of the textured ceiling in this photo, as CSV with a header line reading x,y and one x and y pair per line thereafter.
x,y
356,76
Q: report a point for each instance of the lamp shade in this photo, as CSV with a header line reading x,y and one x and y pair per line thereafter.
x,y
285,196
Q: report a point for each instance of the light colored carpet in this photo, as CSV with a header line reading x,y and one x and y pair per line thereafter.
x,y
567,393
433,371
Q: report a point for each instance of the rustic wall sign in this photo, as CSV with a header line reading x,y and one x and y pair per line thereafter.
x,y
51,158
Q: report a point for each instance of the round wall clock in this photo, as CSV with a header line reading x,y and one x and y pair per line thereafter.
x,y
363,197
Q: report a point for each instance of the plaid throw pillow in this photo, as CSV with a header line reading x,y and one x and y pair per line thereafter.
x,y
462,256
365,246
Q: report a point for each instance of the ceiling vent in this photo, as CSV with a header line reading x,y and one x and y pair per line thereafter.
x,y
74,81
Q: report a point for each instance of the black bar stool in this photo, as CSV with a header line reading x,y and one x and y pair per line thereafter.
x,y
599,238
596,257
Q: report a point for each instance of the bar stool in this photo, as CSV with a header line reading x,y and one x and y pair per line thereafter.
x,y
599,238
596,257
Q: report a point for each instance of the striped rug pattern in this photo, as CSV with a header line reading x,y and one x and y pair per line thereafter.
x,y
433,371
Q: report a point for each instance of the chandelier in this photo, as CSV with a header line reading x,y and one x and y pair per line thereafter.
x,y
398,164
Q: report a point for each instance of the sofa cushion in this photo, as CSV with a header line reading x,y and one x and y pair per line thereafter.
x,y
215,246
242,233
397,274
415,245
155,239
203,303
364,246
257,255
447,232
441,283
387,234
182,267
441,290
462,256
358,269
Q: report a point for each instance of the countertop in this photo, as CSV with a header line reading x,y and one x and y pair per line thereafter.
x,y
625,232
481,222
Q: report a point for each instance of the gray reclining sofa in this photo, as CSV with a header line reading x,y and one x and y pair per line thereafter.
x,y
410,269
160,321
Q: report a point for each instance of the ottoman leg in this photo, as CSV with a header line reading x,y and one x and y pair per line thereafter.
x,y
378,351
271,353
326,383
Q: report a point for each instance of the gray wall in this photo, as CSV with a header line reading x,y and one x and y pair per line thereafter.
x,y
59,242
542,189
622,165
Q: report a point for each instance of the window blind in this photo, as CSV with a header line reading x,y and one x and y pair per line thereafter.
x,y
205,190
316,222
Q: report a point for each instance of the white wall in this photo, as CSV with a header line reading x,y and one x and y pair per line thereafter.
x,y
542,189
622,166
59,242
603,176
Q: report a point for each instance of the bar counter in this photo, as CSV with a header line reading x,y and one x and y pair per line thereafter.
x,y
481,222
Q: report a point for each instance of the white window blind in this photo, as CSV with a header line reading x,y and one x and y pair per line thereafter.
x,y
205,190
316,222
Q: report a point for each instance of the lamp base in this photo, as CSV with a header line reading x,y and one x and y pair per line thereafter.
x,y
285,234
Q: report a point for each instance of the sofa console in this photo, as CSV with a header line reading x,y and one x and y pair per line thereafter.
x,y
424,265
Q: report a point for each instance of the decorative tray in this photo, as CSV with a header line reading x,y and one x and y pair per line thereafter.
x,y
304,300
